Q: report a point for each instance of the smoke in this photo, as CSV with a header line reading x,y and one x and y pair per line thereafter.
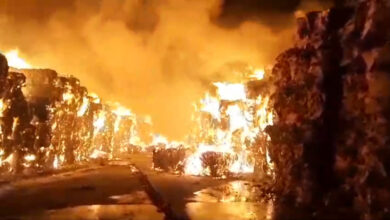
x,y
155,57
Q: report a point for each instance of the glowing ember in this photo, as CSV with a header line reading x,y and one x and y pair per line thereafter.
x,y
15,61
30,157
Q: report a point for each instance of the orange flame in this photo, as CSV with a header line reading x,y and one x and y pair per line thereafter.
x,y
15,61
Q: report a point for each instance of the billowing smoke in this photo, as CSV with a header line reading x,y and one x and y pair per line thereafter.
x,y
155,57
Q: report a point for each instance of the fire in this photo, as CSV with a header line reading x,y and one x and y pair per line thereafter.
x,y
84,107
8,161
96,154
30,157
15,61
68,96
237,118
99,121
210,105
15,123
83,126
121,111
96,98
3,106
258,74
159,139
55,162
236,122
231,92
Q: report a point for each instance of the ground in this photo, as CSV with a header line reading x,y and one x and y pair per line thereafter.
x,y
129,190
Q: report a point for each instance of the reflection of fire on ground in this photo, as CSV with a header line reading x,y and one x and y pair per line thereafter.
x,y
65,124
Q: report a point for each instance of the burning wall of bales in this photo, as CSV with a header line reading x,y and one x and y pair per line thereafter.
x,y
48,121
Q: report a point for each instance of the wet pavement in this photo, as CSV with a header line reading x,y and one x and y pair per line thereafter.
x,y
130,190
94,212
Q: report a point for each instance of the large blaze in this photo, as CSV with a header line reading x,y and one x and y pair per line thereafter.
x,y
228,124
81,128
202,109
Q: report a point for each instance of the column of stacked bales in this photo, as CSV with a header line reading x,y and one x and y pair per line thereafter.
x,y
330,138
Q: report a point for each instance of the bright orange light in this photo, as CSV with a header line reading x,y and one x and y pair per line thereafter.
x,y
99,121
15,61
3,106
239,122
68,96
122,111
258,74
84,107
231,91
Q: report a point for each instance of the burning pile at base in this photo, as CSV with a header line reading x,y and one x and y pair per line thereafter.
x,y
48,121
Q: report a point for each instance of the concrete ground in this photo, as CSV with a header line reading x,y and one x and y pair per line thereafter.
x,y
129,191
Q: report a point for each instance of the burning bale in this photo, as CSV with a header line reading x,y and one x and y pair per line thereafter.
x,y
17,134
169,159
217,163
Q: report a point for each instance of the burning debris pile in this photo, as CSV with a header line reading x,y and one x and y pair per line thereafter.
x,y
48,121
330,137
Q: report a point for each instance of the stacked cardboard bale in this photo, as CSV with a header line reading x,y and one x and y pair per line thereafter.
x,y
330,139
